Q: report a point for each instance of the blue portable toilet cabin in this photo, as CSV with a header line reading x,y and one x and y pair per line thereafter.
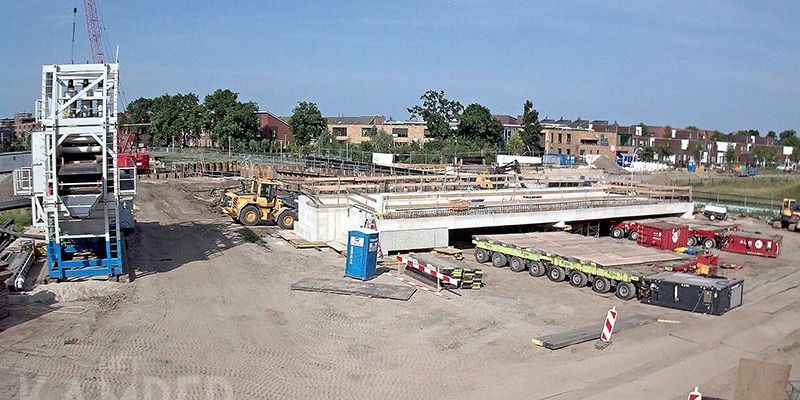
x,y
362,253
692,167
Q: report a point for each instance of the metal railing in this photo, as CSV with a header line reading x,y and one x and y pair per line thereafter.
x,y
519,208
733,200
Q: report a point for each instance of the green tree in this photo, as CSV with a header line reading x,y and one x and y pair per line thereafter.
x,y
787,134
648,153
770,156
437,111
227,117
718,136
138,111
173,121
795,157
531,129
749,132
516,145
381,142
664,153
306,123
730,154
478,125
697,150
772,134
758,155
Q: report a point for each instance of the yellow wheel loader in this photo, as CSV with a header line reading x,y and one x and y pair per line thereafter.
x,y
261,202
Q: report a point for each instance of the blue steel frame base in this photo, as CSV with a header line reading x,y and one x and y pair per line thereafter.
x,y
57,268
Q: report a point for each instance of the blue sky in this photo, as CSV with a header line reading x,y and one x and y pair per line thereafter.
x,y
714,64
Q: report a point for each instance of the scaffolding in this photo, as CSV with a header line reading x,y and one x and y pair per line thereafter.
x,y
79,195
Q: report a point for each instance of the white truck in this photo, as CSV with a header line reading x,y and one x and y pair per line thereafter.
x,y
713,212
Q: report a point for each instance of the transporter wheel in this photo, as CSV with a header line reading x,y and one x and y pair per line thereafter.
x,y
712,217
691,241
633,235
792,227
516,264
601,285
556,274
250,215
710,243
482,255
625,291
777,224
617,233
286,219
499,260
578,279
536,269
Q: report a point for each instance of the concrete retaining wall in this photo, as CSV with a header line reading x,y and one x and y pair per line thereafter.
x,y
327,223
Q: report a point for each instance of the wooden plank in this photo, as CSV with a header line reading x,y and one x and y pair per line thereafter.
x,y
337,247
356,288
288,235
560,340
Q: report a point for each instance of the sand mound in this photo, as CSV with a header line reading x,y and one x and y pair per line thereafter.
x,y
608,165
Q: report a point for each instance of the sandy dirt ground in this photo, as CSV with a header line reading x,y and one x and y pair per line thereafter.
x,y
209,314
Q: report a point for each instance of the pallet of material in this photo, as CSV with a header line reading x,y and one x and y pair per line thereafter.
x,y
559,340
450,252
468,278
357,288
305,244
298,242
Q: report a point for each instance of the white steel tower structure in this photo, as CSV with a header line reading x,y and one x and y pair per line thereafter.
x,y
76,186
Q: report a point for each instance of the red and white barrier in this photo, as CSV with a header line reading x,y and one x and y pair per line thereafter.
x,y
608,327
427,269
695,394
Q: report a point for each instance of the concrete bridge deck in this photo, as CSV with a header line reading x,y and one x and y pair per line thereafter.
x,y
410,221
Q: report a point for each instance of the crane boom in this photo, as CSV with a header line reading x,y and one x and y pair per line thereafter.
x,y
93,28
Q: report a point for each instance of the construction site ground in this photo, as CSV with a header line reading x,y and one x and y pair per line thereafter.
x,y
209,311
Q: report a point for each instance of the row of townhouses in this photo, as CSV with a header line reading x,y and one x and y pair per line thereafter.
x,y
579,137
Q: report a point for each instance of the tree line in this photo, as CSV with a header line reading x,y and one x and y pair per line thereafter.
x,y
180,119
452,129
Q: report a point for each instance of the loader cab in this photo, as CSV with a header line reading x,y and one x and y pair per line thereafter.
x,y
790,206
264,191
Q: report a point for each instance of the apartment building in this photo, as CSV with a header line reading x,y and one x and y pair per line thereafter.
x,y
360,129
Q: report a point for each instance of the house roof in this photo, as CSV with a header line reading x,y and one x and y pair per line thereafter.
x,y
506,119
282,119
361,120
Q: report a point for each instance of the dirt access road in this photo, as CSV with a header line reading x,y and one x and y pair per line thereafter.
x,y
210,315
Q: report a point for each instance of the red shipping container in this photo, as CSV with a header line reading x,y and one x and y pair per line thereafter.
x,y
753,243
662,235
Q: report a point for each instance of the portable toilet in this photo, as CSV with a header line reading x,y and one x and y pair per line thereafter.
x,y
362,253
692,166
